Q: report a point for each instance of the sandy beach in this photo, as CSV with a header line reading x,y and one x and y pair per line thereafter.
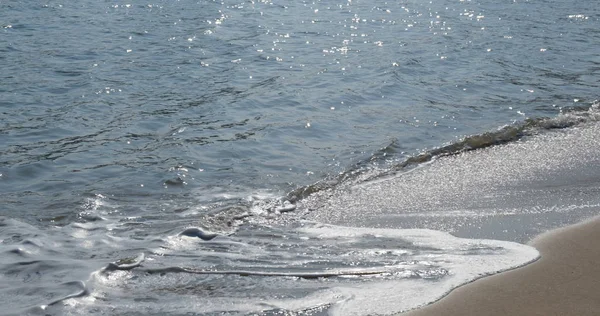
x,y
564,281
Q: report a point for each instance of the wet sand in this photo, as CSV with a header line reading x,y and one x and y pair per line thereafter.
x,y
564,281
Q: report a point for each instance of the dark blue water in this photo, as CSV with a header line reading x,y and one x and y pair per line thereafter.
x,y
122,124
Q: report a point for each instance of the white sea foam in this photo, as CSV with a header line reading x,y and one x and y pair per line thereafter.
x,y
464,260
344,270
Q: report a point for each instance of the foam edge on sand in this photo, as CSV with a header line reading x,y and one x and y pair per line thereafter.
x,y
564,281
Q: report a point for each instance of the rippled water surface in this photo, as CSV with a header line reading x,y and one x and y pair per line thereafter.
x,y
122,124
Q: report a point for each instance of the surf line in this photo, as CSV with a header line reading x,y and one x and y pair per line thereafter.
x,y
134,262
303,275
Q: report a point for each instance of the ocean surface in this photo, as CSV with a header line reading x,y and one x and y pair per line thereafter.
x,y
286,157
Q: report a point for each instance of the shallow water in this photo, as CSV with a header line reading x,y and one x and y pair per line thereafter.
x,y
277,126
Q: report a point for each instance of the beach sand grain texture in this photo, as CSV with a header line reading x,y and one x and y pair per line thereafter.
x,y
565,281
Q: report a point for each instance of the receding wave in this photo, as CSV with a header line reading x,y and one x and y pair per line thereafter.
x,y
339,270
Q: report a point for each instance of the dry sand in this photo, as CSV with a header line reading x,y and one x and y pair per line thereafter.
x,y
565,281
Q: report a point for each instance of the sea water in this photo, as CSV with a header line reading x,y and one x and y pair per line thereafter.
x,y
286,158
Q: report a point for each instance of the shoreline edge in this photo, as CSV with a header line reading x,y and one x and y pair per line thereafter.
x,y
564,281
